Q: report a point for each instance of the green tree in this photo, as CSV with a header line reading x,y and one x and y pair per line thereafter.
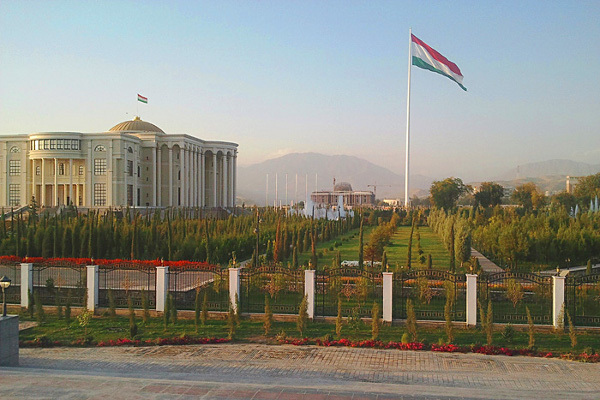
x,y
268,317
489,195
587,188
528,196
360,245
445,194
302,320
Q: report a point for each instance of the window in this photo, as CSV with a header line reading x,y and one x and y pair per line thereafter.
x,y
129,195
129,168
138,171
14,194
100,194
179,175
61,169
130,150
81,170
52,144
38,170
14,149
100,148
138,197
67,144
75,144
100,166
14,167
59,144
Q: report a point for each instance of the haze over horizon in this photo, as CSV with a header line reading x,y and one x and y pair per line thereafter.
x,y
325,77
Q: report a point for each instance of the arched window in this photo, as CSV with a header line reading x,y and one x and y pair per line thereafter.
x,y
81,170
100,148
38,170
129,150
15,149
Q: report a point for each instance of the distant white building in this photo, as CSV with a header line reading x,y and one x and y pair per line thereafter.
x,y
134,163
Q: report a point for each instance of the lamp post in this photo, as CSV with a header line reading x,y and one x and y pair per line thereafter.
x,y
4,283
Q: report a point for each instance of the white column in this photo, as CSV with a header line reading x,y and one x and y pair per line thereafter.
x,y
159,177
110,187
234,286
234,179
33,181
162,287
71,180
202,181
89,182
225,196
26,283
42,200
192,178
76,201
471,299
214,204
388,280
92,287
125,176
153,200
309,291
182,169
558,299
171,186
134,169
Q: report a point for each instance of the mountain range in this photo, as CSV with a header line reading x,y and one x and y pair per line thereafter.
x,y
363,175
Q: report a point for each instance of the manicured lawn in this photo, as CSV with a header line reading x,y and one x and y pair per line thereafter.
x,y
348,249
107,328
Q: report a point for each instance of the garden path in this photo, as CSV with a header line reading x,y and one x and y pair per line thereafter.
x,y
487,265
287,372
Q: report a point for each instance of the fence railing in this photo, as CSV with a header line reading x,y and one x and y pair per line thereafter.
x,y
432,292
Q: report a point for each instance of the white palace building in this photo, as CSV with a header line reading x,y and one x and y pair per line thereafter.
x,y
134,163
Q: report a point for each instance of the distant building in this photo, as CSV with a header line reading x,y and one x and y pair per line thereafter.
x,y
350,197
393,202
134,163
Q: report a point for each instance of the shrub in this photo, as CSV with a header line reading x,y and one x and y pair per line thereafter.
x,y
31,308
59,307
530,327
167,314
338,319
354,320
84,319
572,332
112,308
302,321
231,322
489,324
375,322
508,334
411,321
133,329
68,311
238,310
560,329
268,318
405,338
197,310
448,318
40,315
173,309
204,314
145,306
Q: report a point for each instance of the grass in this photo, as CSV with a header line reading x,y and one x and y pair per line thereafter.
x,y
106,328
396,252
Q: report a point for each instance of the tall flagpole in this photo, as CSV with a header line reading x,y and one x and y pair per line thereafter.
x,y
406,168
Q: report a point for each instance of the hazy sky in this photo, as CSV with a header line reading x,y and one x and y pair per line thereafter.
x,y
323,76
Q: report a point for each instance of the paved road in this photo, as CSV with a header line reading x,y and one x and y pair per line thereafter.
x,y
287,372
487,265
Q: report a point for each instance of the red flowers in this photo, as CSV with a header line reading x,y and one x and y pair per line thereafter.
x,y
142,264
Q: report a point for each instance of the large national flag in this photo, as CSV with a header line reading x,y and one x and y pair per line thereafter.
x,y
426,57
142,99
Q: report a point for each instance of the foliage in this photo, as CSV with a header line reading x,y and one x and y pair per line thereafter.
x,y
508,333
302,320
448,318
197,309
411,321
31,299
375,321
268,316
489,195
572,331
145,306
528,196
68,311
172,308
530,329
238,309
204,313
444,194
112,307
39,309
489,324
231,323
587,188
84,319
514,291
338,319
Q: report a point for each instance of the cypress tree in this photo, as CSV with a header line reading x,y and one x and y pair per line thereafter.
x,y
67,242
452,253
361,256
47,245
295,258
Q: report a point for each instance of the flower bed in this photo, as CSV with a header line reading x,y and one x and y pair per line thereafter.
x,y
177,340
180,265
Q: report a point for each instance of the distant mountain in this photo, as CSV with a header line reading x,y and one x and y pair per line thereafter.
x,y
551,168
356,171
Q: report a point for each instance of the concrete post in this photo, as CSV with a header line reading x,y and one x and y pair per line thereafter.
x,y
558,299
309,291
471,299
9,341
26,283
234,286
388,280
162,287
92,287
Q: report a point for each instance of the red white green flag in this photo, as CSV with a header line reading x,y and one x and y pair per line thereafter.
x,y
423,56
142,99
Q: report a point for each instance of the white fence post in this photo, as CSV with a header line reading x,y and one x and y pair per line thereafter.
x,y
558,299
92,287
234,287
309,291
26,283
388,279
471,299
162,287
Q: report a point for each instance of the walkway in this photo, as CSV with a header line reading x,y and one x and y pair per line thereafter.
x,y
487,265
245,371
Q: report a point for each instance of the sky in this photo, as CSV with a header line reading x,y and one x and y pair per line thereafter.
x,y
280,77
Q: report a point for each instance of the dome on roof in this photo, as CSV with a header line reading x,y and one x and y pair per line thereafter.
x,y
342,187
136,125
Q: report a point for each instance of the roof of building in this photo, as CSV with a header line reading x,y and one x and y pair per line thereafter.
x,y
136,125
342,187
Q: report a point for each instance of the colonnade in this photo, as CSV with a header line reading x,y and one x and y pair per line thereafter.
x,y
62,192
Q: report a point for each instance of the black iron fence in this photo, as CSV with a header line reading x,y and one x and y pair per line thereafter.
x,y
57,283
285,288
429,291
185,285
12,272
513,293
126,280
582,299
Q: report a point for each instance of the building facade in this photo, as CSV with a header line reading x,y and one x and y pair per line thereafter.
x,y
134,163
351,198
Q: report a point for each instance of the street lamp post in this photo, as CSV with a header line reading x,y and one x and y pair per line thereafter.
x,y
4,283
